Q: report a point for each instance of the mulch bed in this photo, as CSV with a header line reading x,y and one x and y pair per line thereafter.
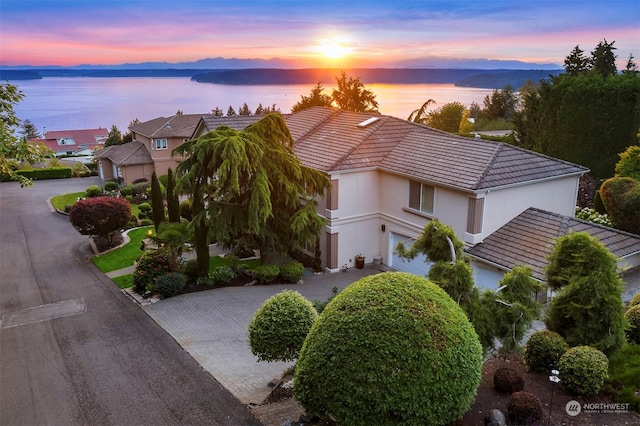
x,y
488,398
193,286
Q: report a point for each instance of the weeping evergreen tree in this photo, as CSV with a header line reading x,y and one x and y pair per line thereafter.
x,y
588,308
173,203
248,188
157,201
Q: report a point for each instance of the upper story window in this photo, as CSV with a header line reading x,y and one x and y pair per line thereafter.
x,y
161,144
421,197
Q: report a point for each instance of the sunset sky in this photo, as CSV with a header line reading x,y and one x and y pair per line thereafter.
x,y
324,33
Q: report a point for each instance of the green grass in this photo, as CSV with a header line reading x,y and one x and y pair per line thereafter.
x,y
60,201
624,375
124,256
124,281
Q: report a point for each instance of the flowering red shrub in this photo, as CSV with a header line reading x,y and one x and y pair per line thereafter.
x,y
100,216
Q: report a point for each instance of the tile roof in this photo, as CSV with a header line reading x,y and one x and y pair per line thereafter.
x,y
237,122
528,240
330,140
179,125
127,154
81,137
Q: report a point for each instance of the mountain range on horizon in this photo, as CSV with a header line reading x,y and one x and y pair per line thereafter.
x,y
277,63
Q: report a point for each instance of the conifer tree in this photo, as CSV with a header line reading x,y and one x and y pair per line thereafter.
x,y
173,203
157,202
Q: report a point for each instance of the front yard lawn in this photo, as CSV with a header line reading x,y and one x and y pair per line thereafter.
x,y
61,201
124,281
125,255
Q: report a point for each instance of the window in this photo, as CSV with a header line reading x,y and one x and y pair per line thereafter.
x,y
161,144
421,197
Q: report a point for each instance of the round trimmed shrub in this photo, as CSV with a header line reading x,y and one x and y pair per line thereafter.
x,y
111,186
635,300
278,329
93,191
524,408
222,274
185,210
150,266
543,351
391,348
633,318
291,272
126,191
583,370
170,284
508,380
144,208
265,274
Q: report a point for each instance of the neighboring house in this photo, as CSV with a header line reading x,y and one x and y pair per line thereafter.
x,y
73,142
528,239
125,163
391,177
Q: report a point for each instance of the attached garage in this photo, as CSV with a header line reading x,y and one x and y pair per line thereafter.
x,y
418,265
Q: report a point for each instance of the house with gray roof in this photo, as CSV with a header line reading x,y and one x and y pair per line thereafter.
x,y
390,177
125,163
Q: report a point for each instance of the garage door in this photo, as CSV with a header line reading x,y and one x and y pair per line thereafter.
x,y
418,265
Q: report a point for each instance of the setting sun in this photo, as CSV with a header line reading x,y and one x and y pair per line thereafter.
x,y
334,48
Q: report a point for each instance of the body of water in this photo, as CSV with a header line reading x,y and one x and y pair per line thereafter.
x,y
65,103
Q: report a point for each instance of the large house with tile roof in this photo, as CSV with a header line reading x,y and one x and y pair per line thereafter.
x,y
390,177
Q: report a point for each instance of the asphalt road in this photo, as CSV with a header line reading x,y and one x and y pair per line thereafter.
x,y
74,350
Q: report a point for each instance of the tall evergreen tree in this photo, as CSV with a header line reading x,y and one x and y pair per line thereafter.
x,y
603,59
114,137
246,188
29,130
217,112
157,202
173,202
576,63
315,98
231,112
244,109
352,96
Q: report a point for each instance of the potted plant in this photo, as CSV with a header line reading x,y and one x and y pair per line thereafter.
x,y
359,259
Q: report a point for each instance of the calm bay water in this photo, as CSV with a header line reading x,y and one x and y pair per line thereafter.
x,y
64,103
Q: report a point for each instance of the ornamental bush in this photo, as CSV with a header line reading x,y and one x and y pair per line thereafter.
x,y
101,216
291,272
583,370
93,191
633,318
508,380
524,408
151,266
543,351
170,284
279,327
111,186
265,274
190,269
635,300
391,348
222,274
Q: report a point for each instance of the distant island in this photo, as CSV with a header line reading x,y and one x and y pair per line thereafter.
x,y
481,78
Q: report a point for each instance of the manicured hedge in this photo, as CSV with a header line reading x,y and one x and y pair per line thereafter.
x,y
47,173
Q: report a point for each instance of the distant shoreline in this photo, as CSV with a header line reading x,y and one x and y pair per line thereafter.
x,y
486,79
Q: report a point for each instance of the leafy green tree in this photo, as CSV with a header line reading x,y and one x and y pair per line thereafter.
x,y
251,183
316,98
447,118
621,199
576,63
390,349
352,96
29,131
12,149
603,59
157,201
114,137
420,115
500,104
278,329
173,202
244,109
587,309
585,119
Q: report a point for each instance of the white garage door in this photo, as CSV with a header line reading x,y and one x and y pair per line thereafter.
x,y
418,265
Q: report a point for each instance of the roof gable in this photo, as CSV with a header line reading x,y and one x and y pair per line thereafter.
x,y
80,137
177,126
127,154
528,240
